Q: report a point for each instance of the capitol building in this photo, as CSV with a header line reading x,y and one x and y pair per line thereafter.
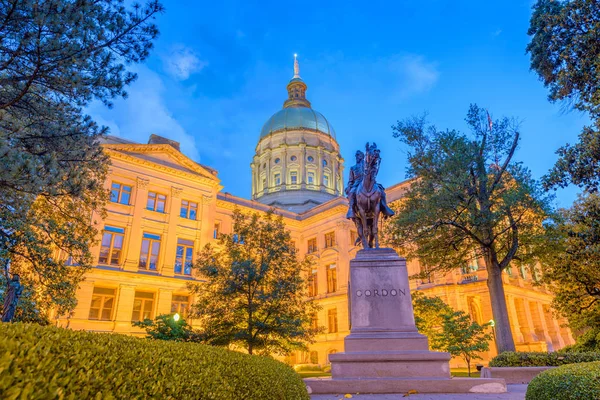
x,y
164,207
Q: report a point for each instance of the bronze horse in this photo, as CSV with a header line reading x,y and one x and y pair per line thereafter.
x,y
368,200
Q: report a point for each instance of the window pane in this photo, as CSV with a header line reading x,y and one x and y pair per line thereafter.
x,y
160,205
151,203
106,239
118,242
94,313
114,194
144,253
179,260
193,209
148,306
137,308
188,260
125,195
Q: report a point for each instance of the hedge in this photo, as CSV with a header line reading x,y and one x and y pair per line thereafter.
x,y
568,382
52,363
541,359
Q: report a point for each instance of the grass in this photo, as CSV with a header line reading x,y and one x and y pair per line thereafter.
x,y
458,372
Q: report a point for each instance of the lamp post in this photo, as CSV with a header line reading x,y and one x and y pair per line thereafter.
x,y
176,317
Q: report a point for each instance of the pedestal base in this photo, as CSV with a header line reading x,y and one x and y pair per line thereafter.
x,y
403,385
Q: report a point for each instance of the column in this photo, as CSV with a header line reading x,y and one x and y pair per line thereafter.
x,y
284,160
268,171
302,171
530,331
254,189
135,230
556,325
319,177
163,302
168,245
125,297
513,317
83,295
544,326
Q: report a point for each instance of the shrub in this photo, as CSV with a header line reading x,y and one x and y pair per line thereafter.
x,y
307,367
46,363
541,359
568,382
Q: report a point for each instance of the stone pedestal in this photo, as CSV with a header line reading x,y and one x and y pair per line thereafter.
x,y
384,352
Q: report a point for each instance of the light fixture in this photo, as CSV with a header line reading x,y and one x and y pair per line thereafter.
x,y
176,317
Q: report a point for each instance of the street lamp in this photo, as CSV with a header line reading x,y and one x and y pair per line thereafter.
x,y
176,317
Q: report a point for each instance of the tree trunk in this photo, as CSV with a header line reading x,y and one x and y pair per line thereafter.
x,y
504,338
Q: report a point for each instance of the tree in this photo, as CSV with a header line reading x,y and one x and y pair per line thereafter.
x,y
572,270
166,327
565,54
254,294
56,57
469,200
461,337
428,312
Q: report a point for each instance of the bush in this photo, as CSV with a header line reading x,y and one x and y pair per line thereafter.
x,y
52,363
541,359
569,382
307,367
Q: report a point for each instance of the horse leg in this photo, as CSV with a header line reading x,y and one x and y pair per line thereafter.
x,y
363,220
375,227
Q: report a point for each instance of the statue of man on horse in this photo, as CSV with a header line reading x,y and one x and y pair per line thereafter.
x,y
366,197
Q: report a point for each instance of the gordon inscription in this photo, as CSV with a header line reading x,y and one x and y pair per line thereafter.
x,y
381,292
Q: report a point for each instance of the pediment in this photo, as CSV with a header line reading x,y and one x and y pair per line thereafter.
x,y
161,155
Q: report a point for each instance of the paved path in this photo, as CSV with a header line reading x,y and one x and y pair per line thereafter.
x,y
515,392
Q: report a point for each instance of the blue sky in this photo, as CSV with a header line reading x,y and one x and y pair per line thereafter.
x,y
219,71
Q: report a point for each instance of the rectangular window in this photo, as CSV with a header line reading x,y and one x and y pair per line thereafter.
x,y
150,251
180,305
326,180
143,306
353,238
329,239
312,245
111,246
331,278
156,202
103,301
313,286
314,321
183,257
294,178
332,320
216,230
277,179
264,183
311,178
188,209
120,193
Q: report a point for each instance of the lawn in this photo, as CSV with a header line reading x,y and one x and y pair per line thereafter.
x,y
462,372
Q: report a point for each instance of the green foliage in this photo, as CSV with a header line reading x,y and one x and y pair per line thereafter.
x,y
164,327
541,359
564,50
56,57
462,337
469,200
428,311
27,308
569,382
565,54
47,362
572,268
449,330
308,367
254,294
589,341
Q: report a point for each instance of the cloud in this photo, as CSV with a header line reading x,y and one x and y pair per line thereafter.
x,y
417,74
181,62
144,112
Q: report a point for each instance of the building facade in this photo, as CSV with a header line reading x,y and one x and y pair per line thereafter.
x,y
164,207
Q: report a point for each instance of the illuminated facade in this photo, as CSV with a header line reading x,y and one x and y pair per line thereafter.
x,y
164,207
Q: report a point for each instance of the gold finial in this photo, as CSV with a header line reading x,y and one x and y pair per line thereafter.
x,y
296,67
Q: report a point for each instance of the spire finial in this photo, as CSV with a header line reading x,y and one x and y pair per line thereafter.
x,y
296,67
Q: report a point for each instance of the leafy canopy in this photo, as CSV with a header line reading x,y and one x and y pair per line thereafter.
x,y
165,327
56,57
469,199
254,294
449,330
572,270
565,53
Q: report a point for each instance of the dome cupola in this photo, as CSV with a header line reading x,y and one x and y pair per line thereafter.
x,y
297,164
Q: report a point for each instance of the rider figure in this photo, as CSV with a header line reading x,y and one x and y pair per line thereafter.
x,y
355,178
